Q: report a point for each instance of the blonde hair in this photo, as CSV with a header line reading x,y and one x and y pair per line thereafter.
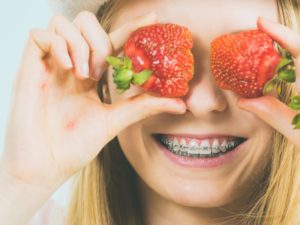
x,y
106,192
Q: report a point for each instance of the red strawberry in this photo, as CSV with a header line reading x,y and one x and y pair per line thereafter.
x,y
246,61
157,57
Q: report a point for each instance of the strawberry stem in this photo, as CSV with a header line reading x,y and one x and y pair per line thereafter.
x,y
124,75
122,78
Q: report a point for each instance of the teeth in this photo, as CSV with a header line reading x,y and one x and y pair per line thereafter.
x,y
193,145
183,143
205,144
176,146
205,147
215,146
223,146
194,149
230,144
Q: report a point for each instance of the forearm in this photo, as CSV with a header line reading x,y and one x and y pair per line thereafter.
x,y
19,200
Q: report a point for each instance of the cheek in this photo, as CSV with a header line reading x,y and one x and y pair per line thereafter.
x,y
131,142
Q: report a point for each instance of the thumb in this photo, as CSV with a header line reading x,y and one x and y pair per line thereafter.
x,y
103,122
140,107
273,112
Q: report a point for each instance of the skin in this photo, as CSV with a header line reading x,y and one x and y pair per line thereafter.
x,y
216,113
55,99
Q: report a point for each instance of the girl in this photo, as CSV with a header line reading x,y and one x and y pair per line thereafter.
x,y
58,125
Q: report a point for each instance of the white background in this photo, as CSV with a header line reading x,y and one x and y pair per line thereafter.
x,y
16,20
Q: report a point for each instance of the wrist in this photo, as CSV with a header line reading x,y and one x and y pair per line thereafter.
x,y
20,199
22,178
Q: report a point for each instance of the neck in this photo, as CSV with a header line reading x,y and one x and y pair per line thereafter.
x,y
160,211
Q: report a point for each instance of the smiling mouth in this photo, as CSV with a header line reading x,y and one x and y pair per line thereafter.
x,y
209,147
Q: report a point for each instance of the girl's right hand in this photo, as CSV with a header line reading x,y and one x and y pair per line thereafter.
x,y
57,123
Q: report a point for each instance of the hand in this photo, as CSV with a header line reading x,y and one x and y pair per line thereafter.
x,y
57,122
268,108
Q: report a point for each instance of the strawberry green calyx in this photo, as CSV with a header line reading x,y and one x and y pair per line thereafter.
x,y
285,72
295,102
124,74
295,105
296,121
142,77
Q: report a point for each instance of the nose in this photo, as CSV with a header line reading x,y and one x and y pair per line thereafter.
x,y
205,98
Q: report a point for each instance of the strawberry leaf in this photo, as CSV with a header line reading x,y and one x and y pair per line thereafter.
x,y
116,62
296,121
279,89
295,102
287,75
283,52
269,86
142,77
127,63
283,63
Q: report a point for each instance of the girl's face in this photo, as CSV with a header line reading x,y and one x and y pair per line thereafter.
x,y
212,116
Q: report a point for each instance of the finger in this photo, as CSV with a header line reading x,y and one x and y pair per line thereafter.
x,y
120,36
286,38
134,109
98,41
275,113
52,44
283,35
77,46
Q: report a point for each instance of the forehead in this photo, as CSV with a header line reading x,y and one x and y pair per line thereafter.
x,y
202,17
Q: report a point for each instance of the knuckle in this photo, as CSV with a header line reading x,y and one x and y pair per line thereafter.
x,y
78,44
57,19
84,15
84,47
33,31
58,40
106,50
146,103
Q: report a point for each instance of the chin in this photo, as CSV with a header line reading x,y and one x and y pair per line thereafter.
x,y
191,193
202,170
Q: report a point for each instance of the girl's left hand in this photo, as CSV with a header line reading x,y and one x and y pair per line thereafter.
x,y
268,108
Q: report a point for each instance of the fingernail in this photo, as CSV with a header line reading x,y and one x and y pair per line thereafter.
x,y
298,83
265,20
68,62
85,70
178,104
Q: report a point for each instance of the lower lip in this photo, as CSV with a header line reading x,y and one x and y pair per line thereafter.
x,y
201,162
